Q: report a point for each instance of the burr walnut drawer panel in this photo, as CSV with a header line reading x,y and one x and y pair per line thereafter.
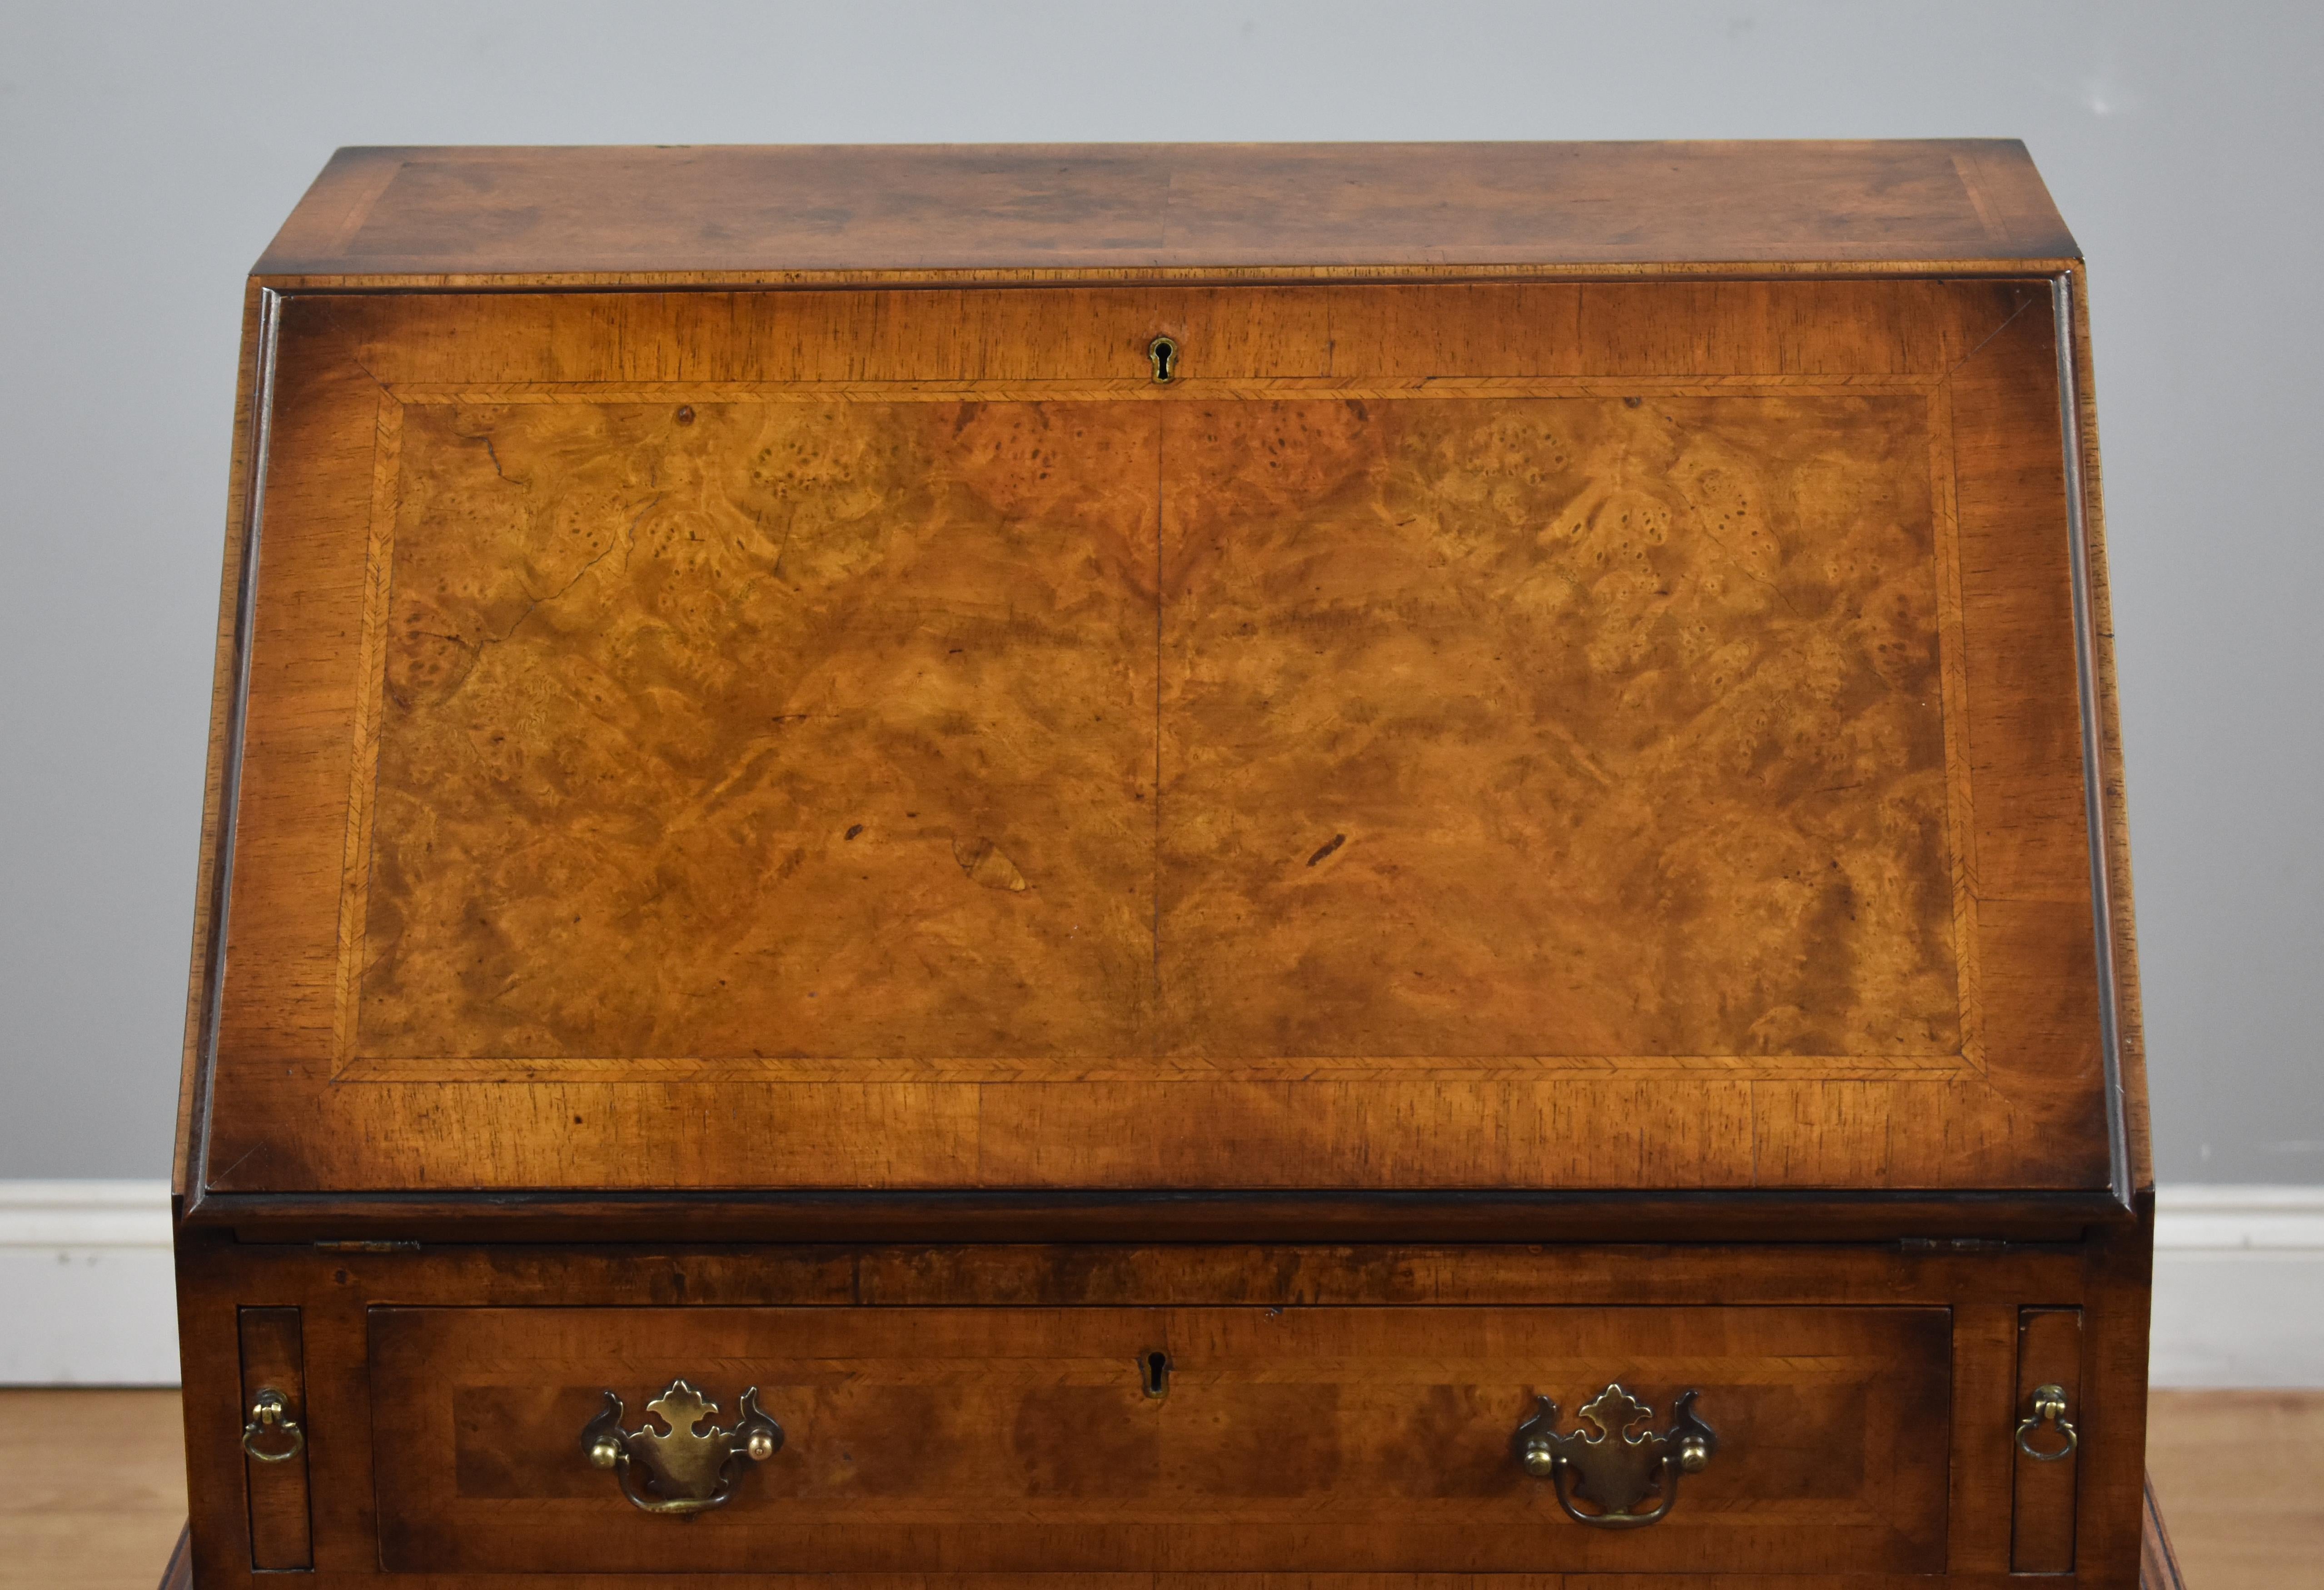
x,y
1190,1438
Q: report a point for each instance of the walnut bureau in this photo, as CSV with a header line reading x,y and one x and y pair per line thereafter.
x,y
1310,865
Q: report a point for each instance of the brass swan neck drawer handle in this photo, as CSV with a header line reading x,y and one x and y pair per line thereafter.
x,y
686,1469
270,1422
1615,1470
2048,1406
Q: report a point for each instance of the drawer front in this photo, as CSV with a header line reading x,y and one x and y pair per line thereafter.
x,y
1029,1439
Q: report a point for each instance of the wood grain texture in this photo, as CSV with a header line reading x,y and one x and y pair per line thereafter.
x,y
274,1359
2114,786
688,717
2115,1305
337,1290
178,1574
84,1467
1230,1215
254,372
1304,1440
98,1491
1671,653
437,211
2158,1563
738,730
1978,1515
800,783
334,1280
2049,1353
2233,1474
652,744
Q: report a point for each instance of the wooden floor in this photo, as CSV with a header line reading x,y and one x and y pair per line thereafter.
x,y
2240,1475
96,1487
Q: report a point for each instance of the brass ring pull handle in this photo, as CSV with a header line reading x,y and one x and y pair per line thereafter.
x,y
686,1469
270,1416
2049,1408
1615,1470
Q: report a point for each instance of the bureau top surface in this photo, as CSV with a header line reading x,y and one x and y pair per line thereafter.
x,y
746,210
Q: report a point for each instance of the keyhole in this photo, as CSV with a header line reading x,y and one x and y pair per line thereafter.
x,y
1155,1371
1164,355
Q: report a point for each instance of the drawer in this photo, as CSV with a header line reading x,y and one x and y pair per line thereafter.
x,y
1312,1439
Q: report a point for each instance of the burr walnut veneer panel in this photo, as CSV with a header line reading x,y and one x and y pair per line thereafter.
x,y
1511,735
693,728
1578,731
759,730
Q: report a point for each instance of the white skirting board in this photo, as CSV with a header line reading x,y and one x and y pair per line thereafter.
x,y
87,1295
2238,1287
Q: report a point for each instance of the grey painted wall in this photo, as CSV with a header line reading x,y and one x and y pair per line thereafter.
x,y
148,150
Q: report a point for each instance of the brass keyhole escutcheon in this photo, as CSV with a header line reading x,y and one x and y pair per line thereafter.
x,y
1162,352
